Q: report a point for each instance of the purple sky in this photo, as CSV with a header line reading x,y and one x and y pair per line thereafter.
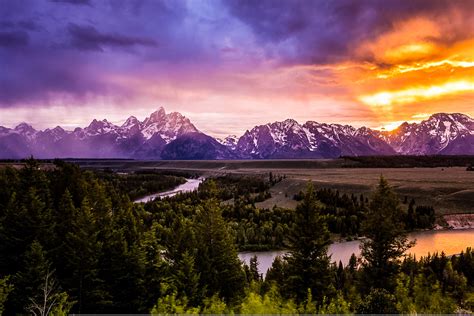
x,y
229,65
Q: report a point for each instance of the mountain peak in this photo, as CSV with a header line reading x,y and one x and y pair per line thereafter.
x,y
158,115
24,128
176,136
131,121
450,117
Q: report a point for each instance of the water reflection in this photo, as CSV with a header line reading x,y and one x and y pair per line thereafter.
x,y
449,241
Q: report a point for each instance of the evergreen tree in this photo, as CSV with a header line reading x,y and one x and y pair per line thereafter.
x,y
253,269
5,288
386,238
276,274
154,265
308,241
29,278
83,251
186,279
217,261
64,217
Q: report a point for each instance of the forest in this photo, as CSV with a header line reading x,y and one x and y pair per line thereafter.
x,y
73,241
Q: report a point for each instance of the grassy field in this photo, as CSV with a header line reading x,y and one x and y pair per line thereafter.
x,y
448,190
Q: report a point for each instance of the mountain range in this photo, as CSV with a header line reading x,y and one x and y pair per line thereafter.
x,y
173,136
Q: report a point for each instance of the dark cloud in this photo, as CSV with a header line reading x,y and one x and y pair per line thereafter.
x,y
14,39
37,78
28,25
75,2
88,38
325,31
38,65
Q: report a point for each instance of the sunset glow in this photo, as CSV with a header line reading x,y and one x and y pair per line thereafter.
x,y
412,95
229,65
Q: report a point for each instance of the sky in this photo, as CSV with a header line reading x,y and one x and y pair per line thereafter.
x,y
229,65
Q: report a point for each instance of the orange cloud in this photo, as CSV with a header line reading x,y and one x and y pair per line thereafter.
x,y
410,95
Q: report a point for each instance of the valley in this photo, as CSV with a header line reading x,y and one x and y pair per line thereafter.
x,y
450,190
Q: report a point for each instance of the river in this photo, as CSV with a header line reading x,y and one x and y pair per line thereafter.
x,y
450,241
189,185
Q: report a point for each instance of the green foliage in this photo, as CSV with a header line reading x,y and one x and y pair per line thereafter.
x,y
30,278
48,300
217,259
308,241
405,304
379,301
5,288
140,184
386,238
82,253
214,305
429,299
170,304
336,306
62,305
269,303
186,278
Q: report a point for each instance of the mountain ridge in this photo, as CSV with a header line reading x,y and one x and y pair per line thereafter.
x,y
173,136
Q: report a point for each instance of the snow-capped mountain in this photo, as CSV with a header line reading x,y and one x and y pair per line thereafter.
x,y
289,139
440,134
100,139
173,136
230,141
168,126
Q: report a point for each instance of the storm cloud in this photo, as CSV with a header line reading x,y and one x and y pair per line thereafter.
x,y
87,37
325,31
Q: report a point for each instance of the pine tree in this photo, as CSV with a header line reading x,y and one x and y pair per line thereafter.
x,y
29,278
64,217
217,261
186,279
83,250
276,274
253,269
308,241
386,238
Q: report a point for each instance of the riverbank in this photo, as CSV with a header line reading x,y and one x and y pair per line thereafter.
x,y
189,185
457,221
451,242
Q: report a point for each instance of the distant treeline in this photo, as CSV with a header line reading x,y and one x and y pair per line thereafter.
x,y
140,184
397,161
407,161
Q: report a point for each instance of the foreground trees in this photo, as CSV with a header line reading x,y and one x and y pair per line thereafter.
x,y
307,261
219,267
386,240
75,242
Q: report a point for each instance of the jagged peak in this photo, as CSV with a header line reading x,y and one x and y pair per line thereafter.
x,y
158,115
449,116
24,128
132,120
